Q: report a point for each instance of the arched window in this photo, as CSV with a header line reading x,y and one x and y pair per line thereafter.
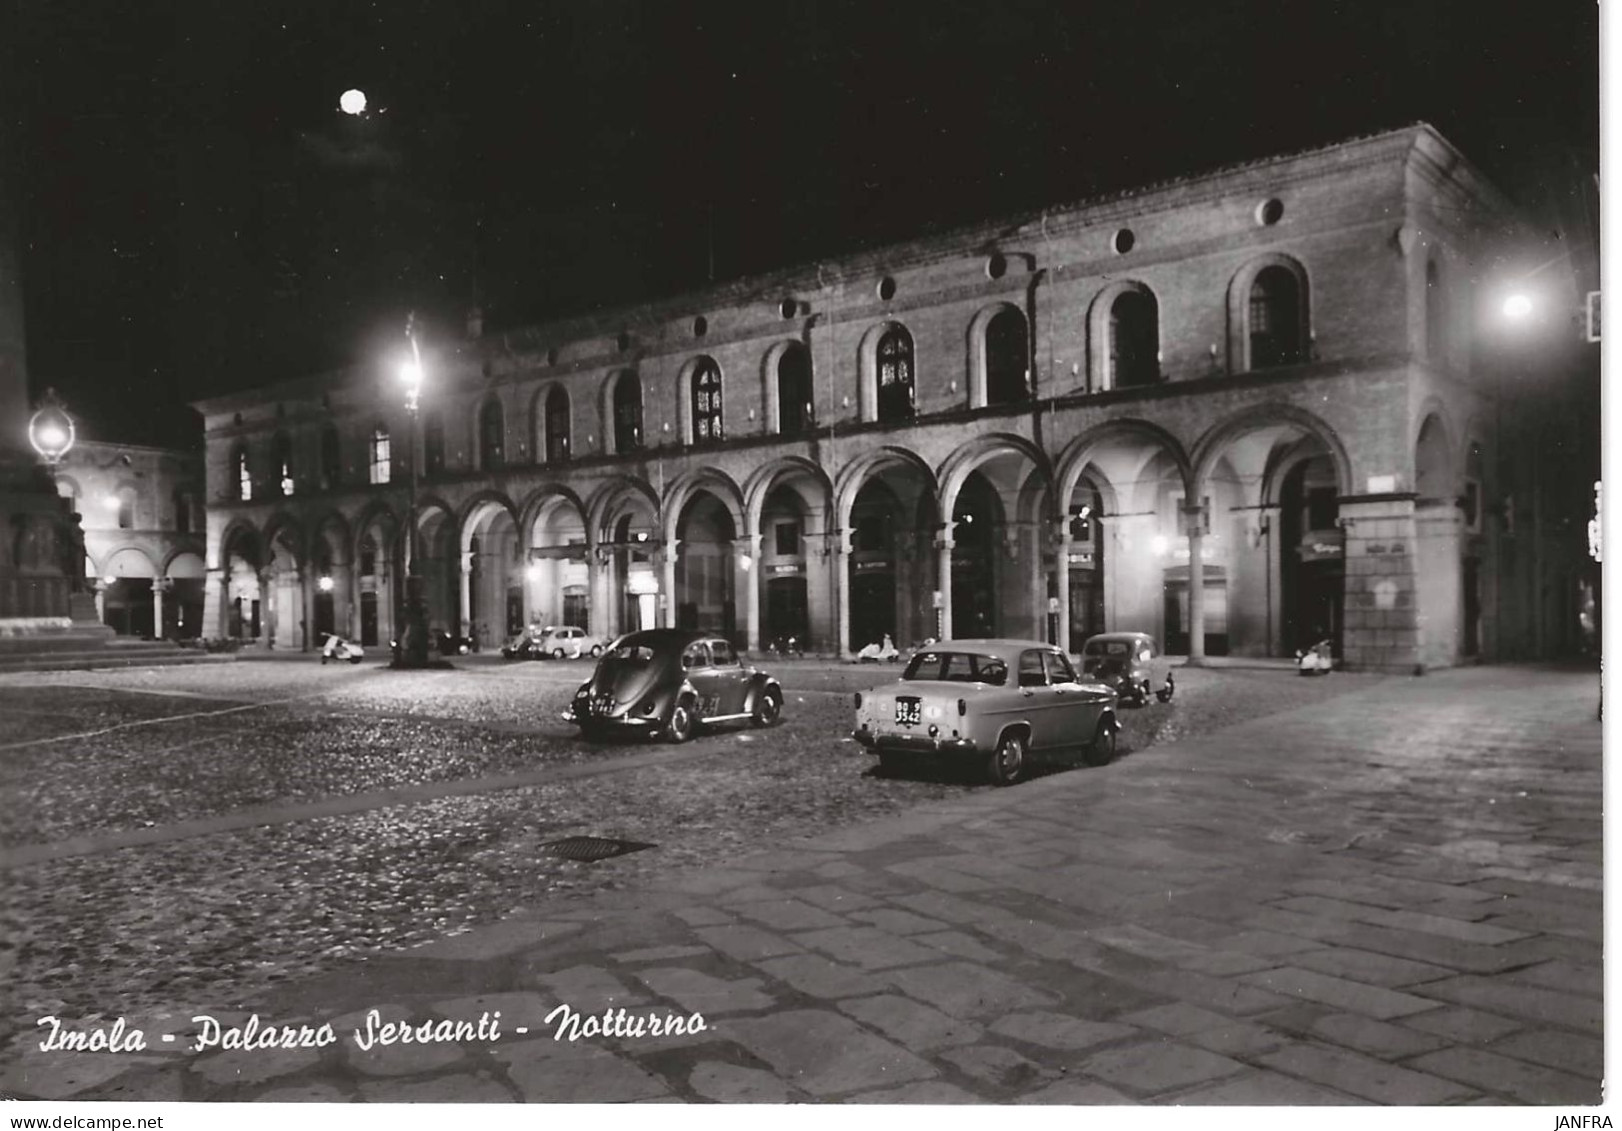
x,y
1134,340
628,413
433,443
331,460
126,509
492,435
380,463
244,476
368,556
895,373
282,462
182,503
1275,319
794,391
1436,327
557,426
1007,358
707,401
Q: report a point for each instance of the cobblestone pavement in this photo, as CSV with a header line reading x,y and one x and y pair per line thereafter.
x,y
1388,896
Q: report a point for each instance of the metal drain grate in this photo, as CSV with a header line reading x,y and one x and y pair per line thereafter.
x,y
589,848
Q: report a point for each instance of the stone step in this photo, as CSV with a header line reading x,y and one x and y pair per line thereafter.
x,y
110,657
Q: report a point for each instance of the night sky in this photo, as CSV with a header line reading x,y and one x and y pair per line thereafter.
x,y
199,217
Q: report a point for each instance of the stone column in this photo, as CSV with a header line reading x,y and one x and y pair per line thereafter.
x,y
943,567
667,581
307,590
216,603
751,580
159,586
465,594
841,559
1381,627
101,600
1438,582
1196,584
1061,554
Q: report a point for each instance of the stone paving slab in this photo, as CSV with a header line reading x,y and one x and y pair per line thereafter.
x,y
1296,910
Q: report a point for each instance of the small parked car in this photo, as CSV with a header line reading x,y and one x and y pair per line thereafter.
x,y
524,646
672,682
565,642
1001,703
1131,663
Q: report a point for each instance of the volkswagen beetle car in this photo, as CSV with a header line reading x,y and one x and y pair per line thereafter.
x,y
671,682
524,646
1002,703
565,642
1131,663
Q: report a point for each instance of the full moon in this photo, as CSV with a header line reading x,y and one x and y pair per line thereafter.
x,y
352,102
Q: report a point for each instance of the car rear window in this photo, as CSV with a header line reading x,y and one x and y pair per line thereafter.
x,y
632,654
957,667
1109,648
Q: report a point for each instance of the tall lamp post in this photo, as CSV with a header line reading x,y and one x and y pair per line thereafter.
x,y
413,649
51,432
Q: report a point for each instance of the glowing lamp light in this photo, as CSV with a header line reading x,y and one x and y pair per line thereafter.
x,y
110,502
745,562
324,584
110,579
1518,307
51,430
533,571
352,102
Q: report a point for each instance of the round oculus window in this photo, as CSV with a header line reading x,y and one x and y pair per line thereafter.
x,y
1124,241
1269,212
887,288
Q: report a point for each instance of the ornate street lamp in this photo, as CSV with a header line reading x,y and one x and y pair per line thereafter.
x,y
51,430
413,649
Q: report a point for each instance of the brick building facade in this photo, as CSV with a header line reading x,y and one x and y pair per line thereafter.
x,y
1244,411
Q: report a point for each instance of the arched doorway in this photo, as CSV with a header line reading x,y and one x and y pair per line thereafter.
x,y
284,570
894,521
557,573
127,580
1085,567
243,561
704,567
977,539
786,608
494,604
1312,574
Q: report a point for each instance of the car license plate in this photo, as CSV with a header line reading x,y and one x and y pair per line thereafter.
x,y
908,712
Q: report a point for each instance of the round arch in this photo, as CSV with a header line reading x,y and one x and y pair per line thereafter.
x,y
607,499
127,561
1209,448
184,564
1079,452
237,532
717,483
283,526
1239,288
760,483
977,361
374,514
476,508
957,467
545,496
1100,372
856,473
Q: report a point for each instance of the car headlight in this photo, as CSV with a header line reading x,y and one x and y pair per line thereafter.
x,y
649,705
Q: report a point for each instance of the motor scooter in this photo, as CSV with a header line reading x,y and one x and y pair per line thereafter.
x,y
1317,660
337,648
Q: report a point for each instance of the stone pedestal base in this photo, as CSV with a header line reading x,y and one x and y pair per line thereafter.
x,y
1381,630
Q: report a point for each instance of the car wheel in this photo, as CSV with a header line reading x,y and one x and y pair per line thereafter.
x,y
596,650
1101,750
768,707
557,653
1008,760
354,659
682,722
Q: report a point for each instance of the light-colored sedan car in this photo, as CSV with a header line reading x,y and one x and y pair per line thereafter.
x,y
1003,703
565,642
